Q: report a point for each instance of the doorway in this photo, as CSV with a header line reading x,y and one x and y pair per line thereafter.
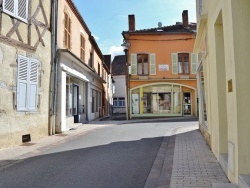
x,y
187,104
75,103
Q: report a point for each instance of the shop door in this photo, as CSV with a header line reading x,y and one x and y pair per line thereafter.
x,y
187,104
76,103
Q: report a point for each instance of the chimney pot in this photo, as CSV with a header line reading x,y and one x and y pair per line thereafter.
x,y
131,22
185,18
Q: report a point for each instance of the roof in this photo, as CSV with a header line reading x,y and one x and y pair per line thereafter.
x,y
119,65
107,60
172,29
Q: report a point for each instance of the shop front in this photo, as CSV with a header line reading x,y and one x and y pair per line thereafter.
x,y
162,99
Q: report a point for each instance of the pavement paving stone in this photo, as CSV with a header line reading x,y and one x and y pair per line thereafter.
x,y
194,163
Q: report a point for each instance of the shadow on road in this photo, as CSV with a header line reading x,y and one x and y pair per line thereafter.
x,y
119,164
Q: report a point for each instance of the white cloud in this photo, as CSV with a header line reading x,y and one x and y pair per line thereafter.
x,y
96,37
115,50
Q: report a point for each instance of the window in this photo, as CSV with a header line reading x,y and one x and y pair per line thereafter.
x,y
91,60
142,64
16,8
82,53
96,100
27,84
183,63
119,102
98,70
67,31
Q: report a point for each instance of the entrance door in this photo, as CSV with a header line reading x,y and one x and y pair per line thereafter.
x,y
187,104
76,103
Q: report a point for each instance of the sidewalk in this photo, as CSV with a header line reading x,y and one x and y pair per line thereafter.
x,y
183,160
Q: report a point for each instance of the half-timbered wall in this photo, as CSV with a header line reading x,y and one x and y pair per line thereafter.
x,y
25,53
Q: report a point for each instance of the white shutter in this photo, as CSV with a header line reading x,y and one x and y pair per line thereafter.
x,y
133,64
174,57
9,7
22,83
193,63
33,85
22,9
152,64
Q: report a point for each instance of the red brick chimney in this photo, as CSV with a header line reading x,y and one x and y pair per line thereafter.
x,y
131,22
185,18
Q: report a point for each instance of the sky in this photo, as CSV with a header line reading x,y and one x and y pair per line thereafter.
x,y
107,19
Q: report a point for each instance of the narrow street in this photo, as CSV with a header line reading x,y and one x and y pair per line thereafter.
x,y
116,156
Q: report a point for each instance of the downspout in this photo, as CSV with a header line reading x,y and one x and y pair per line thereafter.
x,y
53,85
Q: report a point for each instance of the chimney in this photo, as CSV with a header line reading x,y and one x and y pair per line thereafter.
x,y
185,18
131,22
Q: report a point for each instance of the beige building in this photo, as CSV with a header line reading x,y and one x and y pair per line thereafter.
x,y
80,71
25,65
223,45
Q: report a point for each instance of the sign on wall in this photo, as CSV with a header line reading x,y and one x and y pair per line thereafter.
x,y
163,67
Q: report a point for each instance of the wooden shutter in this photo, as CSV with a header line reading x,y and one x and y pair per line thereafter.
x,y
133,64
152,64
33,85
174,57
193,63
22,9
22,83
9,7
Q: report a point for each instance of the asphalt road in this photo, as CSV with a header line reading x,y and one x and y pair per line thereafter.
x,y
114,157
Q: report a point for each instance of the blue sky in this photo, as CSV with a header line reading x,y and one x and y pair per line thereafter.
x,y
107,19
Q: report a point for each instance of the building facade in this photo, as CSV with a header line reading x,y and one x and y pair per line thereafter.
x,y
118,73
25,65
162,70
80,70
223,46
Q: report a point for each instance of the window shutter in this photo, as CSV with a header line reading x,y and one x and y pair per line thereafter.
x,y
33,85
133,64
22,9
22,83
9,7
174,63
152,64
193,63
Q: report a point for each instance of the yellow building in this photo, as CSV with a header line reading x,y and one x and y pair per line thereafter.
x,y
223,46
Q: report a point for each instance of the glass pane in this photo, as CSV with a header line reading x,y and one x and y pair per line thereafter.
x,y
139,68
180,68
145,68
186,67
75,110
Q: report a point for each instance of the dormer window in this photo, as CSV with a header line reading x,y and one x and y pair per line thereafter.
x,y
16,8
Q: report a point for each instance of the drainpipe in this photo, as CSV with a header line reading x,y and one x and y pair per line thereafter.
x,y
53,84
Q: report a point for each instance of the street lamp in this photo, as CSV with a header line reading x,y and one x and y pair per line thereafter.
x,y
126,46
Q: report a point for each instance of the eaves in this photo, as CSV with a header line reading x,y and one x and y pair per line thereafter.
x,y
71,56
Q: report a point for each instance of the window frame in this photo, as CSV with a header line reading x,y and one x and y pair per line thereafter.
x,y
15,11
183,63
142,64
27,84
117,100
67,31
82,47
